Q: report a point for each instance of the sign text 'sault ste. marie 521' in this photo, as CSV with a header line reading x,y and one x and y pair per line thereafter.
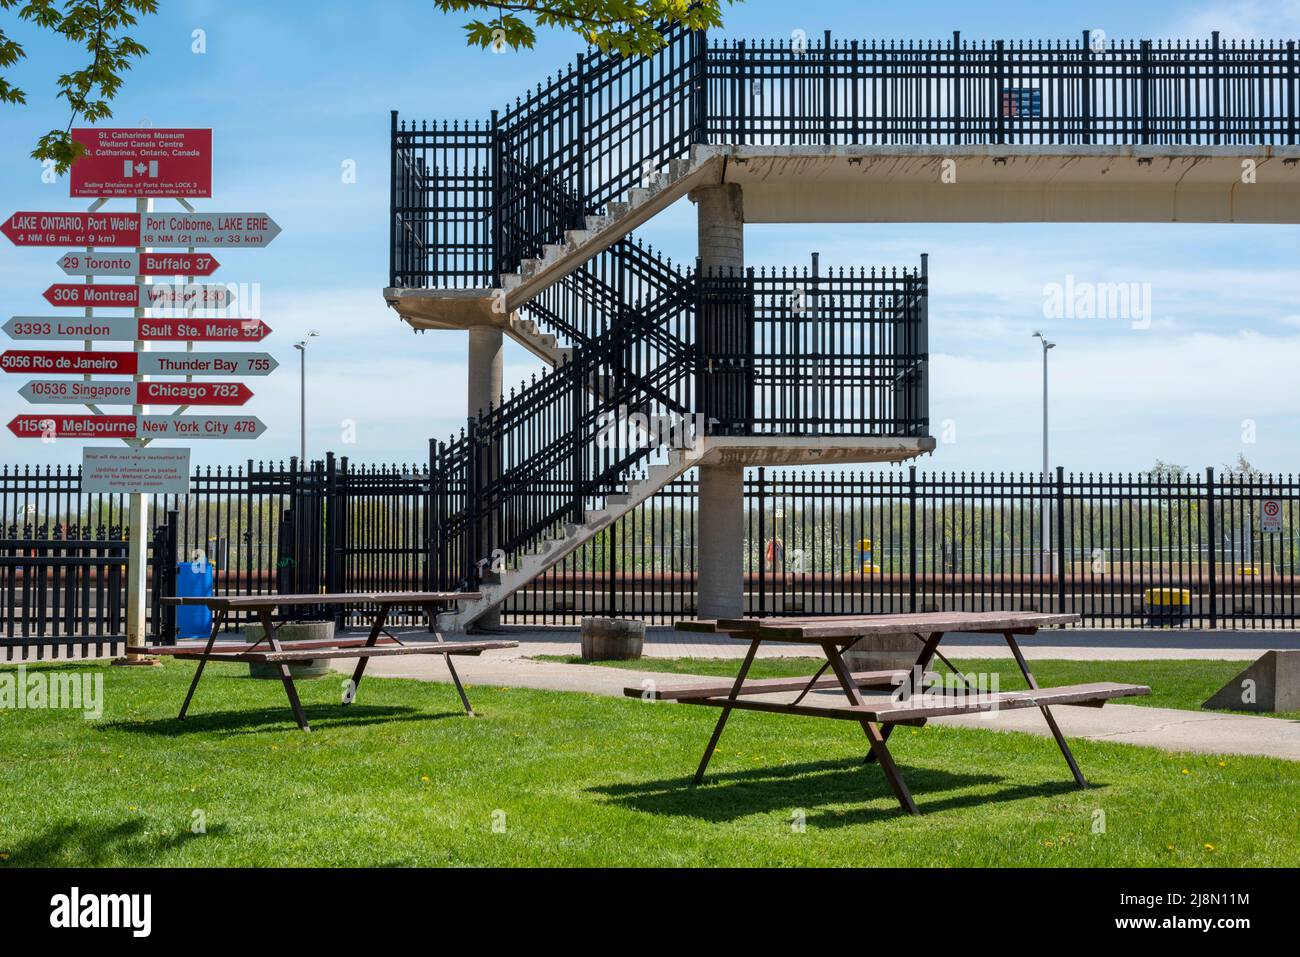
x,y
128,329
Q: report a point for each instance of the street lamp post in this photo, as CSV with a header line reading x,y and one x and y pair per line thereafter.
x,y
1046,509
301,346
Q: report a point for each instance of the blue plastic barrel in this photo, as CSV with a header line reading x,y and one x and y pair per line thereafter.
x,y
194,580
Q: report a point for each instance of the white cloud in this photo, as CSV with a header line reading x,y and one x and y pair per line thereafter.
x,y
1242,19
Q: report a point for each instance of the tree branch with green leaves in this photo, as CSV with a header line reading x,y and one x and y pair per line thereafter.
x,y
628,27
96,26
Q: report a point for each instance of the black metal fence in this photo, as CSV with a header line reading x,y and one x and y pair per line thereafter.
x,y
1202,551
471,200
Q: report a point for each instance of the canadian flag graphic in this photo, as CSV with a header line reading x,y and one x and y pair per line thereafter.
x,y
130,169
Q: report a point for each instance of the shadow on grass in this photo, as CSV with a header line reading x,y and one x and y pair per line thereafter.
x,y
734,794
99,845
259,720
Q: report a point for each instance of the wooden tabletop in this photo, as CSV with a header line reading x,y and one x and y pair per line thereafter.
x,y
838,628
389,598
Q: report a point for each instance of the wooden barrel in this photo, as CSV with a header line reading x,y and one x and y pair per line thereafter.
x,y
612,639
287,634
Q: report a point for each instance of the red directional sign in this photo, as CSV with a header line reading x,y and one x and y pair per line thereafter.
x,y
137,264
36,426
246,230
65,362
193,393
73,229
142,162
126,392
83,295
129,328
80,426
68,363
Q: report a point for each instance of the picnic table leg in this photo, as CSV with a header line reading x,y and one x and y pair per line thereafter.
x,y
376,630
922,661
873,731
217,622
455,677
1047,713
726,711
269,627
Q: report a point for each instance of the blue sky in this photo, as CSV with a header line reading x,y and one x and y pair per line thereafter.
x,y
293,90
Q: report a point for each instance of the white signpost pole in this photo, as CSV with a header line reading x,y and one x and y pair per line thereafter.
x,y
137,579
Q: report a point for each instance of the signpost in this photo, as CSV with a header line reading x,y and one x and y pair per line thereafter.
x,y
53,391
60,425
142,162
246,230
138,163
128,328
61,362
90,295
92,263
158,470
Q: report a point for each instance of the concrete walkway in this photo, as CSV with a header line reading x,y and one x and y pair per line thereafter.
x,y
1165,728
1079,644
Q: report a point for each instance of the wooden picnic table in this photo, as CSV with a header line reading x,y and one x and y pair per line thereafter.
x,y
908,702
379,643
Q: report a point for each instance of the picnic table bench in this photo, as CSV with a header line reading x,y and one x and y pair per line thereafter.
x,y
268,649
908,702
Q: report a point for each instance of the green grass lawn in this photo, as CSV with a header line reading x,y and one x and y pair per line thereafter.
x,y
402,777
1174,683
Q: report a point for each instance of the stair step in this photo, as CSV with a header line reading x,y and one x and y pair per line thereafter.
x,y
618,498
576,237
511,280
596,223
618,209
677,168
639,195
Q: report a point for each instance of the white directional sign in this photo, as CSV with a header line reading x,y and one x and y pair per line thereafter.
x,y
205,363
112,263
162,295
126,392
39,425
140,229
129,328
200,426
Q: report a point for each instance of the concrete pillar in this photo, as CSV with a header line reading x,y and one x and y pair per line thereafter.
x,y
486,348
721,555
486,344
721,589
721,218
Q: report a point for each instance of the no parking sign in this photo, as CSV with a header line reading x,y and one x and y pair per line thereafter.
x,y
1271,515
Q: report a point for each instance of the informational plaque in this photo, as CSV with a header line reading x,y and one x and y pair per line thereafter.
x,y
164,471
